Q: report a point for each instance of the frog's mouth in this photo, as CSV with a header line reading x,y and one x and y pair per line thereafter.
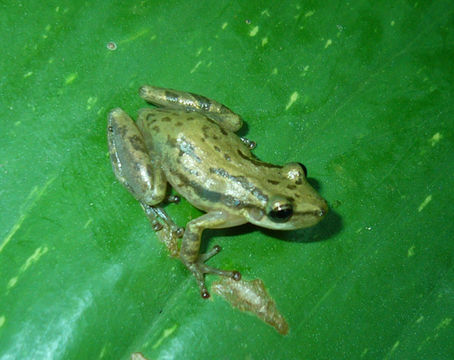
x,y
307,218
313,217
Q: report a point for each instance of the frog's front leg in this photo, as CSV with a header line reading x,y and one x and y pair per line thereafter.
x,y
189,252
135,169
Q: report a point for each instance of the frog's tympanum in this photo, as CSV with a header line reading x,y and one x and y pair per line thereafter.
x,y
189,141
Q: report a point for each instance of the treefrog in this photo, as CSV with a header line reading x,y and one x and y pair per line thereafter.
x,y
189,142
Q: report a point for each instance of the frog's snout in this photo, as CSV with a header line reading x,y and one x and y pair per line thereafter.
x,y
322,210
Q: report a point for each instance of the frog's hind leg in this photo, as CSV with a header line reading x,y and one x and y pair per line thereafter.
x,y
131,161
135,169
181,100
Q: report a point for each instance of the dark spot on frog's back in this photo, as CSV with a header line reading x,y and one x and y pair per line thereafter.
x,y
291,187
205,129
166,119
223,131
274,182
179,123
156,129
217,148
151,118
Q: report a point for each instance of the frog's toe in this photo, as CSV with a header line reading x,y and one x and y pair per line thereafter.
x,y
208,255
199,269
204,293
179,232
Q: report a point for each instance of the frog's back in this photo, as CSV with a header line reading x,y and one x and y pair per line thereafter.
x,y
191,139
196,152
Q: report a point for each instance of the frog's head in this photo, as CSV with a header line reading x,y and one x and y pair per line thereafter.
x,y
293,203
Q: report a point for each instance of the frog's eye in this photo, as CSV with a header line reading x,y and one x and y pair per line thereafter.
x,y
279,210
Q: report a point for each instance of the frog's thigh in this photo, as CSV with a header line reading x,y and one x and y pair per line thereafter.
x,y
193,234
131,162
181,100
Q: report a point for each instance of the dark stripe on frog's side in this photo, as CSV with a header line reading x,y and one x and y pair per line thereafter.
x,y
243,182
187,148
257,162
208,195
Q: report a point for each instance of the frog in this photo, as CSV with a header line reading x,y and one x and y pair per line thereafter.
x,y
189,142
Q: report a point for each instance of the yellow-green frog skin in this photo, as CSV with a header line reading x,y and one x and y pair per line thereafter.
x,y
189,141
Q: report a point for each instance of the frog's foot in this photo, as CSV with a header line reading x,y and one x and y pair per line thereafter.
x,y
249,143
159,218
199,269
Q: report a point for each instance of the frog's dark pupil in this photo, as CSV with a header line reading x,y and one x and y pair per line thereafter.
x,y
281,213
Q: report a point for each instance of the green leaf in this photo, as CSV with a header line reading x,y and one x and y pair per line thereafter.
x,y
359,92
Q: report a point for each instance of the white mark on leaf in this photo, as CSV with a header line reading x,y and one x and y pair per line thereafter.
x,y
427,200
292,99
